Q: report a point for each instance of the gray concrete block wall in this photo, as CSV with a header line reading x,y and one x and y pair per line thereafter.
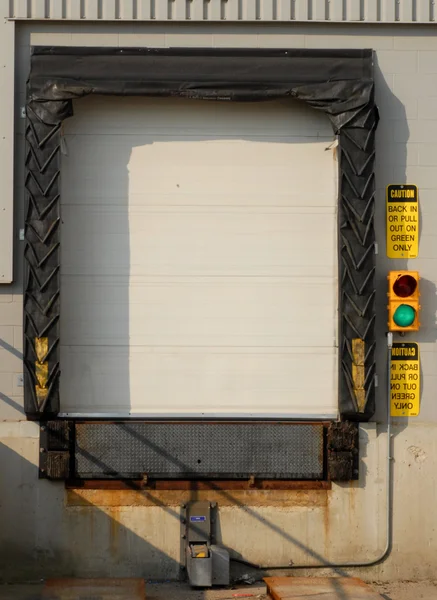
x,y
127,536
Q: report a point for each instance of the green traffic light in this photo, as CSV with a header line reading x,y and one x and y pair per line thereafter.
x,y
404,315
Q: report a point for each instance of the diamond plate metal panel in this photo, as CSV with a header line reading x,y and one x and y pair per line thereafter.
x,y
185,450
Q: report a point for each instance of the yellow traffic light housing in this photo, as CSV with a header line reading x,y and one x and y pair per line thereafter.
x,y
403,301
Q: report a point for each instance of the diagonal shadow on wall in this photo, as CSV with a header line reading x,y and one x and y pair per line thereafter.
x,y
42,536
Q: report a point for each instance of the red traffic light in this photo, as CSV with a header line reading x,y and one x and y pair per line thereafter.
x,y
403,301
405,286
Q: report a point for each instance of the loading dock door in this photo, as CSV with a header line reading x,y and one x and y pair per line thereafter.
x,y
199,260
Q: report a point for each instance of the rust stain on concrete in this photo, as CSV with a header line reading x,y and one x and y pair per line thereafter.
x,y
258,498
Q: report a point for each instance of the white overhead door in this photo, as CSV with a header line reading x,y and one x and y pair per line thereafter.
x,y
199,260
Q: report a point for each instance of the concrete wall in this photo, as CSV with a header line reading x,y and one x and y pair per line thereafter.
x,y
46,530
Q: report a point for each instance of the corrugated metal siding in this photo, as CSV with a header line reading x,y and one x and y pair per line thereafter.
x,y
380,11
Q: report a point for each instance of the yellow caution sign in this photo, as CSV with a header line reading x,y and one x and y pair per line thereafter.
x,y
405,380
402,221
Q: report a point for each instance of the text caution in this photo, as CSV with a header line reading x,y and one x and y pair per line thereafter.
x,y
405,380
402,221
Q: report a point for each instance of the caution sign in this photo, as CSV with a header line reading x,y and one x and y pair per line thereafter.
x,y
405,380
402,221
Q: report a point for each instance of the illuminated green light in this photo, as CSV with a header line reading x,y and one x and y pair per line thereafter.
x,y
404,315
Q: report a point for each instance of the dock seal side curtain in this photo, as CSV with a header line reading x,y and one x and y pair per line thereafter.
x,y
337,82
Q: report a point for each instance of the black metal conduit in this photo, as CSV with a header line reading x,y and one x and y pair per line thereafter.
x,y
388,494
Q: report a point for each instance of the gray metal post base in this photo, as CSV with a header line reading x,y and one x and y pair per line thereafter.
x,y
207,564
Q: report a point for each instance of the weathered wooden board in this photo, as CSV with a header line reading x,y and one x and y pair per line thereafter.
x,y
97,589
313,588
